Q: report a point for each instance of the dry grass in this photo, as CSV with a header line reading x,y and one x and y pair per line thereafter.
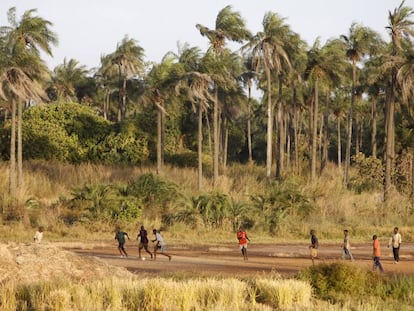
x,y
363,214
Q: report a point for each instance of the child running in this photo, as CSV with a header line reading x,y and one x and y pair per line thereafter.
x,y
120,237
243,238
143,242
159,245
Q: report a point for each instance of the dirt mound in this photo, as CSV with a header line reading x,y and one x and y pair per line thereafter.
x,y
24,263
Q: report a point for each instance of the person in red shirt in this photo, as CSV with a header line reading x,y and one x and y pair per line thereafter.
x,y
376,254
243,238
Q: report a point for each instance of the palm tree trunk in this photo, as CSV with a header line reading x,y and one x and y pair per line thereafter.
x,y
269,125
280,137
124,93
159,141
200,146
349,130
296,130
19,144
216,140
374,129
325,134
338,132
12,173
226,145
249,125
389,134
389,149
315,132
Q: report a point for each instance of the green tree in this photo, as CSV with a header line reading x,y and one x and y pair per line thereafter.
x,y
359,42
196,85
324,66
229,26
65,78
128,58
401,28
21,70
268,52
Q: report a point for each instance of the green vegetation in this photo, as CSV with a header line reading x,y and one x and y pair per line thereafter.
x,y
338,282
181,145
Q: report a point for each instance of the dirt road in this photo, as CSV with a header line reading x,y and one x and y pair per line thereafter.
x,y
226,260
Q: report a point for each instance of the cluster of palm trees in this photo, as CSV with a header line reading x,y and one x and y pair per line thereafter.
x,y
350,75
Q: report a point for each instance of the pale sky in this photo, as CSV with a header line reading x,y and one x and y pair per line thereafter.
x,y
88,29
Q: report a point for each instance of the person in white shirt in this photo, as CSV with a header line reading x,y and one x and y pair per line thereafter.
x,y
395,242
38,235
159,245
346,247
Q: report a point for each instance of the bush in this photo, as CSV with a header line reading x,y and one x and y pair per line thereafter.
x,y
370,174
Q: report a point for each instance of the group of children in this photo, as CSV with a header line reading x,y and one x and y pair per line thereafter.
x,y
394,242
159,246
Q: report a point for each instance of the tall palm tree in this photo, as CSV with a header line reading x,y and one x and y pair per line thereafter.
x,y
65,77
247,77
324,67
107,78
22,68
267,50
229,26
400,28
359,42
128,57
196,85
161,81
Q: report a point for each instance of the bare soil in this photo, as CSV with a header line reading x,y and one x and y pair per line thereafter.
x,y
226,259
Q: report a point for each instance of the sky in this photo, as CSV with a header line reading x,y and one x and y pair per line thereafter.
x,y
88,29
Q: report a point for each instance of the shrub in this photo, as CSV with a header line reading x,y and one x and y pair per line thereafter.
x,y
370,174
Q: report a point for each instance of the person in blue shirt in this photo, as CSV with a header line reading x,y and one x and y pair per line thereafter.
x,y
120,237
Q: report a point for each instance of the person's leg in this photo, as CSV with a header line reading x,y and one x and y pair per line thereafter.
x,y
120,246
155,252
164,253
123,249
380,265
343,253
396,253
147,250
245,252
139,249
350,255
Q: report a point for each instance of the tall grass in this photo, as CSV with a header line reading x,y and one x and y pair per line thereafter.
x,y
158,294
336,208
196,294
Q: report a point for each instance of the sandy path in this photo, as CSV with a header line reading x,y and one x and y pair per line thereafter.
x,y
226,260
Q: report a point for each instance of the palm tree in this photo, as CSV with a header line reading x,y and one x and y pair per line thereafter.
x,y
324,68
268,53
196,84
128,57
229,26
107,78
161,81
359,42
247,78
400,28
65,78
23,40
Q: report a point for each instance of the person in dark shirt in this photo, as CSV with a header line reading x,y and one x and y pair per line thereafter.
x,y
313,246
120,237
143,242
